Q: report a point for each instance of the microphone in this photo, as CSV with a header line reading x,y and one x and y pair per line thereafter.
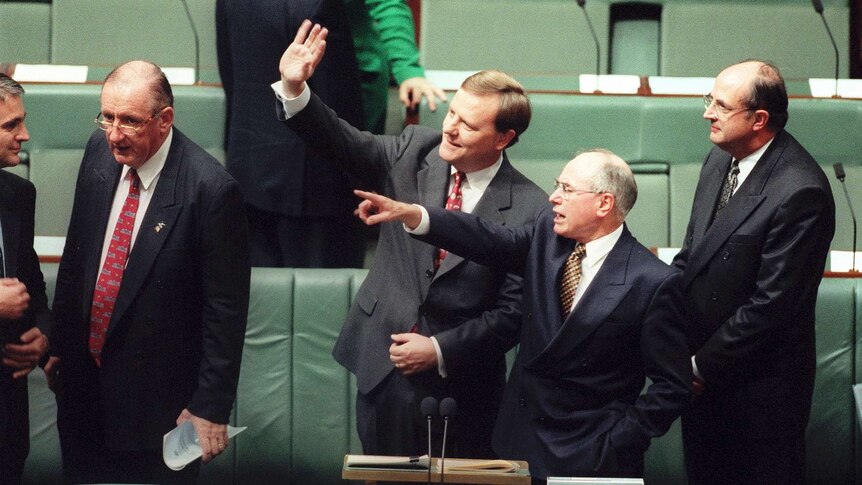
x,y
448,408
818,7
428,407
839,174
197,43
582,4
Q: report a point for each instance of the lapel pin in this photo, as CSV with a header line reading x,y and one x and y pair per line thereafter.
x,y
159,226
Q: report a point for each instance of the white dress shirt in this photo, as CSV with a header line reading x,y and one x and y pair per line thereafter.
x,y
149,174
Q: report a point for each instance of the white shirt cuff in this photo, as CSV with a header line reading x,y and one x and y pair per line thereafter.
x,y
694,369
441,366
292,106
423,227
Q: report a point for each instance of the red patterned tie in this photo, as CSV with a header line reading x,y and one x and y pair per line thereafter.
x,y
453,203
108,284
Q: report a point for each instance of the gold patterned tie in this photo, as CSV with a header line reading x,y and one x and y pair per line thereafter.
x,y
570,279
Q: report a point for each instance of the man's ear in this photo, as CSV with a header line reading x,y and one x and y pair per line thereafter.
x,y
503,139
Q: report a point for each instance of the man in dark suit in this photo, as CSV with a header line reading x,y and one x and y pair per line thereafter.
x,y
753,256
152,291
425,324
601,313
283,179
25,319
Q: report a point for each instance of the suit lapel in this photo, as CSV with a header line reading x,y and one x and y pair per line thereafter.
x,y
496,198
11,228
162,213
102,183
604,294
432,182
739,208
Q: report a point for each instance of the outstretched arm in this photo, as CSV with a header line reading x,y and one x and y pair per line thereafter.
x,y
301,58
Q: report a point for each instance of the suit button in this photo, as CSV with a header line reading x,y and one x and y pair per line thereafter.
x,y
713,296
541,420
159,284
139,356
429,274
522,402
725,256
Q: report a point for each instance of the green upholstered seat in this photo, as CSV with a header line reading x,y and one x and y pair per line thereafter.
x,y
25,32
791,35
98,33
512,35
299,403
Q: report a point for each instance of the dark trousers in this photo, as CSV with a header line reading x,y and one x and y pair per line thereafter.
x,y
715,456
86,456
305,242
14,428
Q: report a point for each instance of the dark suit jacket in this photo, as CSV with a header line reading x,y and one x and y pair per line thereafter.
x,y
175,338
751,280
277,171
573,404
472,310
17,209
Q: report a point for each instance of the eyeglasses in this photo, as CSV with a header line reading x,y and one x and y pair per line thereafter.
x,y
129,128
720,110
568,191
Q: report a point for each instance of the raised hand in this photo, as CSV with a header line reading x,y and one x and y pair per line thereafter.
x,y
302,57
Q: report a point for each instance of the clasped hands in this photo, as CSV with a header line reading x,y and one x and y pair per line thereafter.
x,y
23,357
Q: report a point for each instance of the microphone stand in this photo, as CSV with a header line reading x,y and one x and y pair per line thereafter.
x,y
582,4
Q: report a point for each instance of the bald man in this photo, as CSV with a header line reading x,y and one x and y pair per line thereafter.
x,y
152,291
753,257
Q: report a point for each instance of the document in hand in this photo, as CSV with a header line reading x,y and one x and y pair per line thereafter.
x,y
494,466
389,462
180,445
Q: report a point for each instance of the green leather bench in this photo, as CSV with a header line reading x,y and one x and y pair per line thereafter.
x,y
25,32
299,403
547,36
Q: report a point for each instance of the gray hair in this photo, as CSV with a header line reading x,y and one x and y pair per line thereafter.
x,y
615,177
9,87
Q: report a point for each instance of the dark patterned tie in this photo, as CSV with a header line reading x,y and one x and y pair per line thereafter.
x,y
729,186
453,203
108,284
570,279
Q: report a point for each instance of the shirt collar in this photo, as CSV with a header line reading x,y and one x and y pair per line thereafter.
x,y
480,179
152,167
755,156
599,248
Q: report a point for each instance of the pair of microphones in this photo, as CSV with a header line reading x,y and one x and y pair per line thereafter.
x,y
446,410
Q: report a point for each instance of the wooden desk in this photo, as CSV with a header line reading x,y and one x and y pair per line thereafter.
x,y
374,475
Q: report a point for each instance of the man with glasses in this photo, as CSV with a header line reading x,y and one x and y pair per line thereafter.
x,y
25,319
152,292
601,313
753,256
